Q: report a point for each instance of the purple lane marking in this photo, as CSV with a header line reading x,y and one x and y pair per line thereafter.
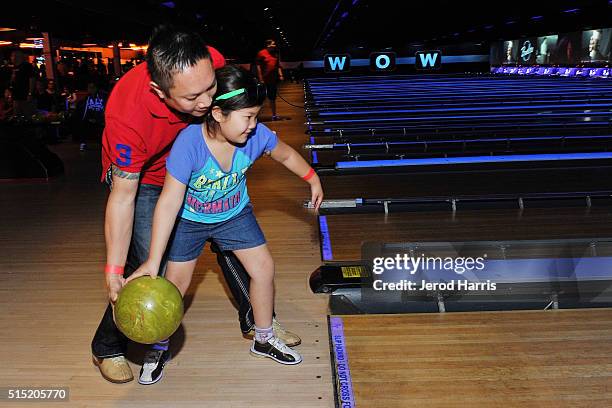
x,y
346,398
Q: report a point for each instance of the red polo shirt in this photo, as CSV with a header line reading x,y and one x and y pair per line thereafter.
x,y
269,66
140,128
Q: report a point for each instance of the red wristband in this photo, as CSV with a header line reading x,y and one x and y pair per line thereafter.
x,y
309,175
114,269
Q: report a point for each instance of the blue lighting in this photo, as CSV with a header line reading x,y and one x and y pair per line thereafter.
x,y
325,241
575,10
169,4
396,119
315,158
472,160
451,141
479,109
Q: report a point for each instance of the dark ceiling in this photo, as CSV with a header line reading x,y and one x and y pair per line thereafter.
x,y
310,27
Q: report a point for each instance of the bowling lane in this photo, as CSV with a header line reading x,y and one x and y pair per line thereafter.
x,y
404,185
344,234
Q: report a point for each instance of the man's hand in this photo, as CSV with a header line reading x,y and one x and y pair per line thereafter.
x,y
114,283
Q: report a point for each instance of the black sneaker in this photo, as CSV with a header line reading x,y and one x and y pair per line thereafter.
x,y
278,351
153,366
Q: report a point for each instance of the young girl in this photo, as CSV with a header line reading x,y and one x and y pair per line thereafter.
x,y
206,185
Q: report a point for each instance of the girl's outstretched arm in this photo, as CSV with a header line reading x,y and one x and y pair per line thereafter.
x,y
285,154
166,211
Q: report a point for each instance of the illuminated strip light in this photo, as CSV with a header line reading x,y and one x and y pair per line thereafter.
x,y
472,160
452,141
326,248
429,118
30,45
531,125
455,104
5,43
395,90
315,158
419,82
455,109
485,85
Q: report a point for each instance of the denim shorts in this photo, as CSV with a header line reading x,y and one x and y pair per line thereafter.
x,y
239,232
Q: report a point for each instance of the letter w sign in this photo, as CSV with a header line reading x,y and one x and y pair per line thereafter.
x,y
426,60
337,63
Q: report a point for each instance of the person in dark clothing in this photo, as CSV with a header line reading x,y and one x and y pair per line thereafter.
x,y
90,115
22,84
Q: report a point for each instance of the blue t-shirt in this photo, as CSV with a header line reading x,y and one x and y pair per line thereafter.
x,y
212,194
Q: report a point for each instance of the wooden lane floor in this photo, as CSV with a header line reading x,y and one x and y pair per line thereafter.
x,y
560,358
52,294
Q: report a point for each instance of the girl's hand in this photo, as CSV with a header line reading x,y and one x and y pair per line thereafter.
x,y
146,268
316,192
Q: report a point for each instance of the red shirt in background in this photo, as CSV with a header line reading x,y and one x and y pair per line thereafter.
x,y
269,66
140,127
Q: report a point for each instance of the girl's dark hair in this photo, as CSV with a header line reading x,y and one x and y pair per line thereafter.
x,y
231,78
173,50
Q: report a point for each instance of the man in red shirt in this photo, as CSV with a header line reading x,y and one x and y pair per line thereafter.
x,y
146,110
269,72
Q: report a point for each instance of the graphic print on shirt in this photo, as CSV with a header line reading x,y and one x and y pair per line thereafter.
x,y
212,191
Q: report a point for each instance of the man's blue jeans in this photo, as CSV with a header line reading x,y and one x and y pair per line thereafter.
x,y
108,340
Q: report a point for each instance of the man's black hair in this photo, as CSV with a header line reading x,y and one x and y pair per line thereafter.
x,y
172,50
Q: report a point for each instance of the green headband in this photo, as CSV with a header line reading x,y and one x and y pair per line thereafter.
x,y
228,95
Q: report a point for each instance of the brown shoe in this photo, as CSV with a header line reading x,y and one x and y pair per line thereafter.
x,y
289,338
114,369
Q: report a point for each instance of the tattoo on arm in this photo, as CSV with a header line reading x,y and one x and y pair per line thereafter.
x,y
124,174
